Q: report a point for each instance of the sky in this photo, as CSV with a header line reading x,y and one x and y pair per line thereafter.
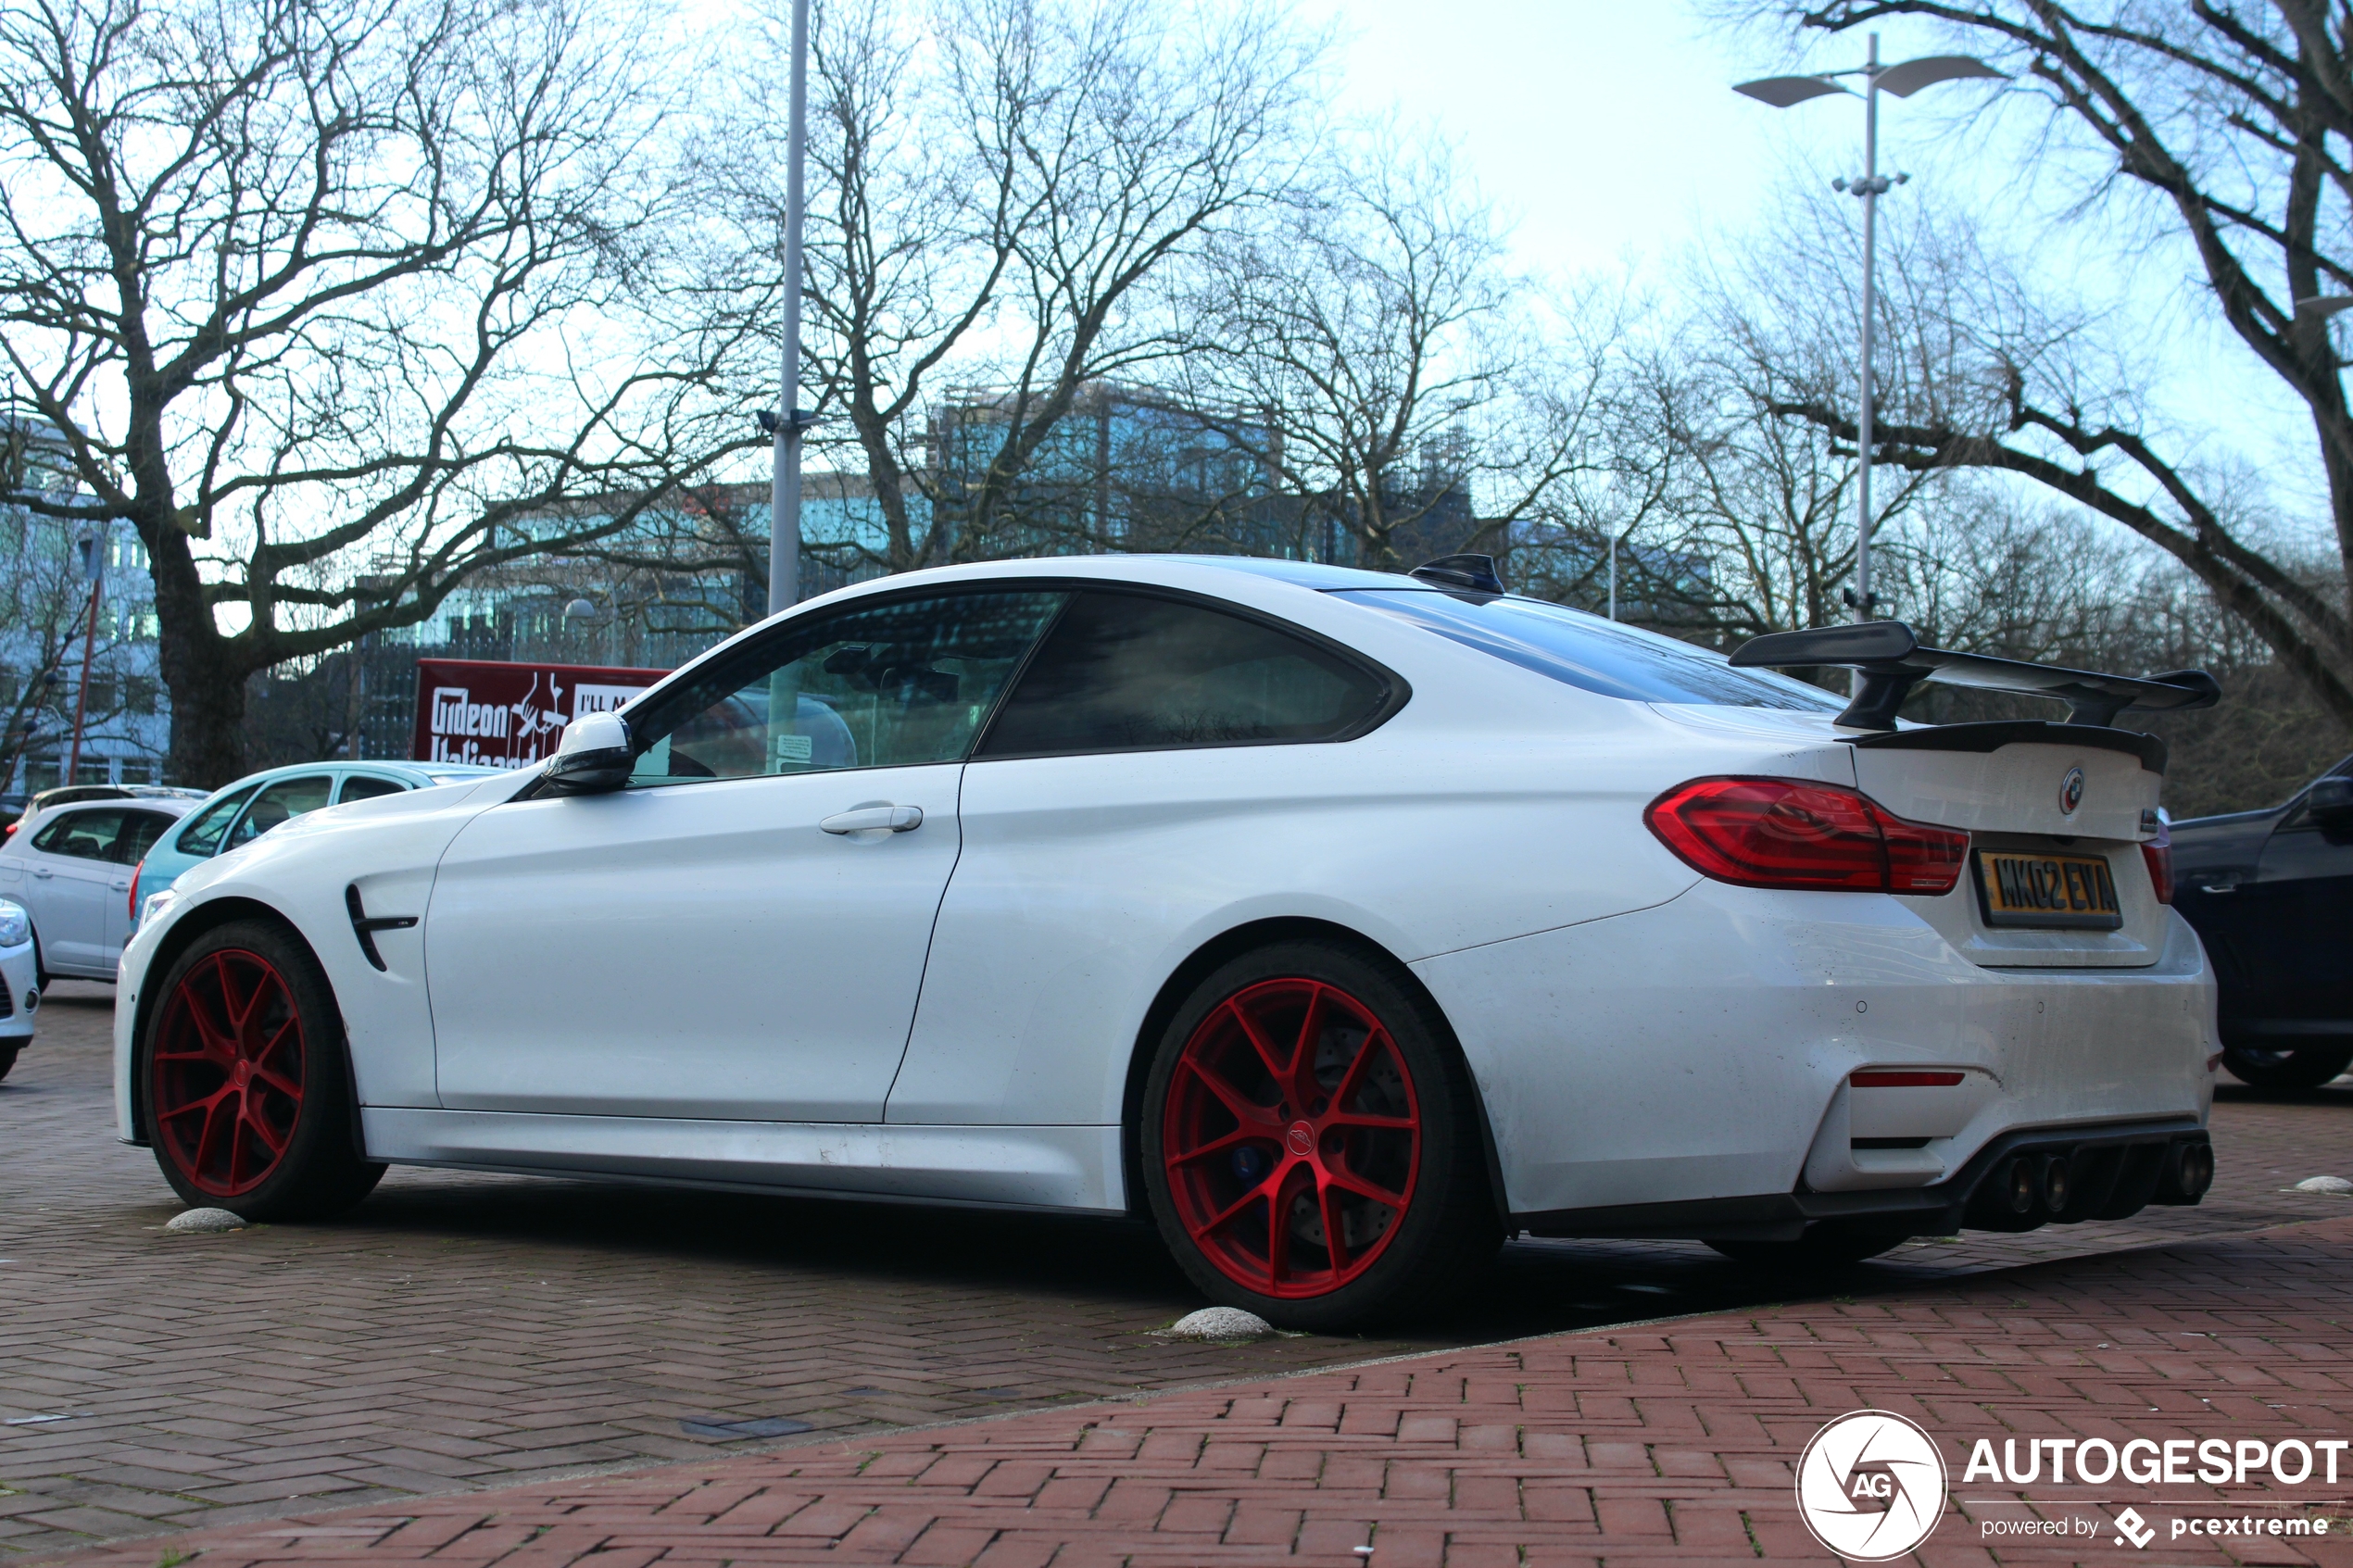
x,y
1608,130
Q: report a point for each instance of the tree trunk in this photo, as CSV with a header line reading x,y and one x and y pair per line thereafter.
x,y
201,670
207,724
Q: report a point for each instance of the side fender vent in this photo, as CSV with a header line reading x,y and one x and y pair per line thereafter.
x,y
365,926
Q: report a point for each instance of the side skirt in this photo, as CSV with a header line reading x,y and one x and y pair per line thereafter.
x,y
1063,1168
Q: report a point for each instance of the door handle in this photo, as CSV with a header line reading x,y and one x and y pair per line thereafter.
x,y
43,873
871,819
122,886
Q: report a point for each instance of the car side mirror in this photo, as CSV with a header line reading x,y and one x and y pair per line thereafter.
x,y
593,757
2330,804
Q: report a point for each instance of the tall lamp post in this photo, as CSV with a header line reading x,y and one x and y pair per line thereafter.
x,y
91,548
1787,92
788,420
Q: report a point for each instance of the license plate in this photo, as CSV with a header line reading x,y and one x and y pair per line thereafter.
x,y
2055,892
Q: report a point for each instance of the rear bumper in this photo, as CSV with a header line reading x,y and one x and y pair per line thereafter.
x,y
2119,1169
1701,1050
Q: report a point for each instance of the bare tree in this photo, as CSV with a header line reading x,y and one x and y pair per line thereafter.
x,y
1372,350
1771,499
998,186
1732,520
2238,118
338,303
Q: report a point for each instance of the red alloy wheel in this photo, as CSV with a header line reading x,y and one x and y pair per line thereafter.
x,y
1293,1137
228,1073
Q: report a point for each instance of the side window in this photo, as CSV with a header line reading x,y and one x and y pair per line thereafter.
x,y
277,803
1131,673
140,831
202,836
903,682
85,835
366,786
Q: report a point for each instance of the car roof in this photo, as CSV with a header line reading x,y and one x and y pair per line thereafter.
x,y
388,767
1143,567
169,806
1306,573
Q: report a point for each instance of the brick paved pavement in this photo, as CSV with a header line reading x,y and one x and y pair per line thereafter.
x,y
462,1332
1675,1442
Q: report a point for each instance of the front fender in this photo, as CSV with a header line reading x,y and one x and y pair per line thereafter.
x,y
298,874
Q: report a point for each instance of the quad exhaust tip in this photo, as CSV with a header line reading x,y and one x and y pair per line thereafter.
x,y
2191,1171
2017,1187
2056,1181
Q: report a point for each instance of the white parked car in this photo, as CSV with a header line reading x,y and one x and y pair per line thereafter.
x,y
70,866
1341,923
20,991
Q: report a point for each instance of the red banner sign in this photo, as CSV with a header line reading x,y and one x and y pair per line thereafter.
x,y
510,715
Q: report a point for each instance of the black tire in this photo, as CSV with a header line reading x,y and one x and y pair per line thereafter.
x,y
1448,1226
1826,1246
2293,1067
9,1057
318,1172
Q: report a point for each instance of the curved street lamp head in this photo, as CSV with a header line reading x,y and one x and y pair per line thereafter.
x,y
1786,92
1927,72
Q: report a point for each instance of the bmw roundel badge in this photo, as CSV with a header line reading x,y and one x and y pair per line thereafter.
x,y
2071,792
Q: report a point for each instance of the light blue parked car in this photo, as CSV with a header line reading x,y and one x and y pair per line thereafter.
x,y
244,811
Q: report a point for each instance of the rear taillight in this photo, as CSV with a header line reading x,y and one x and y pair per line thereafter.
x,y
134,892
1784,833
2159,856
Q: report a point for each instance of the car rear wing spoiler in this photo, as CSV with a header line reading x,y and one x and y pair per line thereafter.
x,y
1892,662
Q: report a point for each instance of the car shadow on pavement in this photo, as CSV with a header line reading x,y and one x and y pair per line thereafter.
x,y
1531,1287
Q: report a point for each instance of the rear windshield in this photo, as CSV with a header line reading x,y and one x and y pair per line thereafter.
x,y
1589,652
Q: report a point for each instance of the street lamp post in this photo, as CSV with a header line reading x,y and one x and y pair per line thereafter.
x,y
92,547
788,422
1786,92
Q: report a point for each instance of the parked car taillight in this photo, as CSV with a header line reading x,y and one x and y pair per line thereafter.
x,y
1785,833
2159,853
134,891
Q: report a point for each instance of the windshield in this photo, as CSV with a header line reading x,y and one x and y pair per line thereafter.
x,y
1586,651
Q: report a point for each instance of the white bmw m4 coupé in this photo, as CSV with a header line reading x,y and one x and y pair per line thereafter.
x,y
1341,923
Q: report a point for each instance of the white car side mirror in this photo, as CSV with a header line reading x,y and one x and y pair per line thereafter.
x,y
593,757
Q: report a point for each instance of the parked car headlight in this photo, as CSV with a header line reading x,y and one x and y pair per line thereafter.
x,y
16,925
157,904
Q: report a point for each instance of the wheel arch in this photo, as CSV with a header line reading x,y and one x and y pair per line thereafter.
x,y
211,916
1198,964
